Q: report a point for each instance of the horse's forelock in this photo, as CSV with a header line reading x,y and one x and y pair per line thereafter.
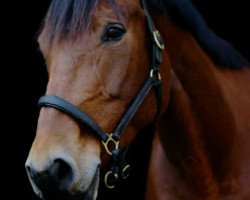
x,y
68,17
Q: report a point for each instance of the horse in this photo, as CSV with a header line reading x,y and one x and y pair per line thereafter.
x,y
119,71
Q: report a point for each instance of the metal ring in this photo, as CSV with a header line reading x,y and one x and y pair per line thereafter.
x,y
125,176
106,179
160,44
153,73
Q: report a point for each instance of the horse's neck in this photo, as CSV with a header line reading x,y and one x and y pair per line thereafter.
x,y
192,145
200,134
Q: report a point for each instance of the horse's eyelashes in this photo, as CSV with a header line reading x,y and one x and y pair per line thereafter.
x,y
113,33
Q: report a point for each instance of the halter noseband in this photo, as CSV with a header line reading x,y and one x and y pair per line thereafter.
x,y
119,169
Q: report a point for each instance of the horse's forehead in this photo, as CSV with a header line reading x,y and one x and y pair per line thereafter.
x,y
126,7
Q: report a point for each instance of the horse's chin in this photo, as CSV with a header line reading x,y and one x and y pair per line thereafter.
x,y
92,192
93,188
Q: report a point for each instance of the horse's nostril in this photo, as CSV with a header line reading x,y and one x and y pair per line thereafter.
x,y
36,176
57,177
61,172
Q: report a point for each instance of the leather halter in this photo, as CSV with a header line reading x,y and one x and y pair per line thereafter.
x,y
119,169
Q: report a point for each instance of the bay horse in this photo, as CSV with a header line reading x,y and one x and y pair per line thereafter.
x,y
116,67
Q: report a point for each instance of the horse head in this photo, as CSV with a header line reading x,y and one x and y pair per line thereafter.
x,y
99,58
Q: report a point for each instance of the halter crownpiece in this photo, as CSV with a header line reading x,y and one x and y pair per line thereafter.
x,y
119,169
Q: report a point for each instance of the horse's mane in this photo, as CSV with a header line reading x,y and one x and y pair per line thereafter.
x,y
184,13
69,17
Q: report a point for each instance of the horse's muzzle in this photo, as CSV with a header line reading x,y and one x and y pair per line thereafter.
x,y
57,180
54,181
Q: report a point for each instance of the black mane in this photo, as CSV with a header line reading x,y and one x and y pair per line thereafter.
x,y
184,13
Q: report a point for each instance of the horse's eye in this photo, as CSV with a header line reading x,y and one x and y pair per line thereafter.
x,y
114,33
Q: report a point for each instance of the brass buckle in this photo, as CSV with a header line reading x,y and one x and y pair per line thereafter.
x,y
160,44
110,141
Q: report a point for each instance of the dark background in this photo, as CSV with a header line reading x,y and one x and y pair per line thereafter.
x,y
23,77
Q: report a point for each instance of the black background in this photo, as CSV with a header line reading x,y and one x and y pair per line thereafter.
x,y
23,77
